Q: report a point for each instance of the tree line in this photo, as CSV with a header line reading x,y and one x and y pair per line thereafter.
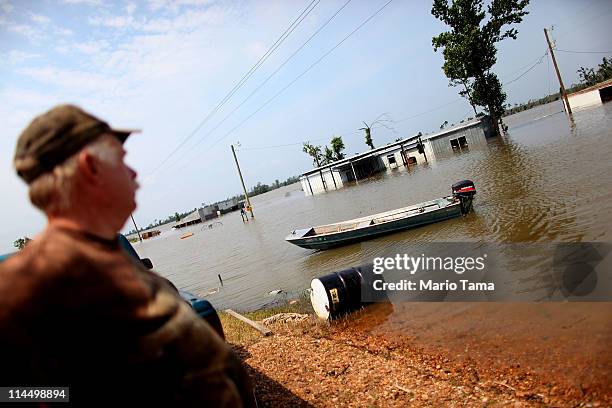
x,y
588,77
259,188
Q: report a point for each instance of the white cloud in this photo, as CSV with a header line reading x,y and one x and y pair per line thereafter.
x,y
86,2
130,8
15,57
63,31
5,6
175,4
256,49
23,29
40,19
71,80
111,21
185,22
90,47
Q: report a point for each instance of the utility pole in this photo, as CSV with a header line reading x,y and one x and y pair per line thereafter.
x,y
246,196
138,232
421,148
563,92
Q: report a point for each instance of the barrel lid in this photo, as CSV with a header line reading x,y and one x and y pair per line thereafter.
x,y
319,299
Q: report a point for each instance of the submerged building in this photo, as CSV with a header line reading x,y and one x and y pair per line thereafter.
x,y
392,155
591,96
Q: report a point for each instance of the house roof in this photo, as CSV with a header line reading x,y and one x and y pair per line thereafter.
x,y
408,144
194,216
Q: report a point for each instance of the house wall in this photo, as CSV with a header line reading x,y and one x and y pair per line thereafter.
x,y
317,184
474,136
305,186
227,205
585,99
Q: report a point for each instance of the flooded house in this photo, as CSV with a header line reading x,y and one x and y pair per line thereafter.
x,y
229,205
591,96
191,219
402,153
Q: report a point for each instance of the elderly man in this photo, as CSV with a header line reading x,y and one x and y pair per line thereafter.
x,y
77,311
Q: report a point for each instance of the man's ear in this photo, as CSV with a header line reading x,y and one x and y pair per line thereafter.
x,y
88,166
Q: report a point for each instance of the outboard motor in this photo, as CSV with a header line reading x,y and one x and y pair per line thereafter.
x,y
464,191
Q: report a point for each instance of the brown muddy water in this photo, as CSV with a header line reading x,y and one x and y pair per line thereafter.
x,y
545,181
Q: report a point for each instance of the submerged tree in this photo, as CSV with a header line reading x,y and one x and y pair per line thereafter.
x,y
337,146
314,152
328,157
368,135
589,76
469,47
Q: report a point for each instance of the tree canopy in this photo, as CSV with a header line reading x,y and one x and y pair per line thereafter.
x,y
337,146
469,47
314,152
589,76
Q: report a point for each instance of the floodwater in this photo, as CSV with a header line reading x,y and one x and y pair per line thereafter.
x,y
545,181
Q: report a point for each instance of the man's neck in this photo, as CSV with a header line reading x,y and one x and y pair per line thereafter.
x,y
78,224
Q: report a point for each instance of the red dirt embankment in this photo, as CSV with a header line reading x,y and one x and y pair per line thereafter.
x,y
450,354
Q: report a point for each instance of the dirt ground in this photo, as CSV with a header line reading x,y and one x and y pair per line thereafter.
x,y
438,355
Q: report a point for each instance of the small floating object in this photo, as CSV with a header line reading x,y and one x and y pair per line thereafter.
x,y
275,292
187,235
213,291
360,229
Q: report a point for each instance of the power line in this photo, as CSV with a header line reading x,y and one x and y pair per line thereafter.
x,y
280,145
302,74
429,110
586,52
525,66
540,60
244,78
272,74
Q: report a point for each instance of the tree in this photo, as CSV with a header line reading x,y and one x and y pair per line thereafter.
x,y
469,47
368,135
21,243
177,217
443,125
314,152
589,77
337,146
328,157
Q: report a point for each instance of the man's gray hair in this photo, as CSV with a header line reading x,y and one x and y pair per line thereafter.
x,y
53,191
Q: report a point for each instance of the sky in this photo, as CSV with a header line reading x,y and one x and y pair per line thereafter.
x,y
163,66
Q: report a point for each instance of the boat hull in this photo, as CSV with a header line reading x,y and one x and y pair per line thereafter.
x,y
377,230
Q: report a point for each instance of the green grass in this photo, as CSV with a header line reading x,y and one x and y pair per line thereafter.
x,y
240,333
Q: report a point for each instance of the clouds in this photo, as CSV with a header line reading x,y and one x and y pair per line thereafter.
x,y
85,2
40,19
16,57
111,21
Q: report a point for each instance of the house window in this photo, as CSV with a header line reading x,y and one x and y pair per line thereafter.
x,y
412,160
391,159
459,143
